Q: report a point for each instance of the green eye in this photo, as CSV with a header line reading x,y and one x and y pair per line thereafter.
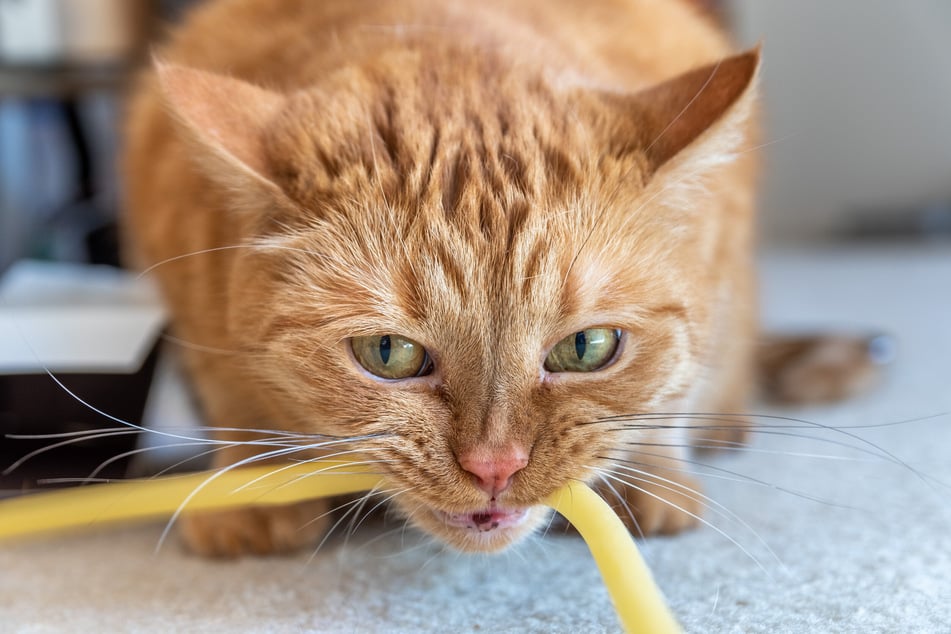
x,y
391,356
585,351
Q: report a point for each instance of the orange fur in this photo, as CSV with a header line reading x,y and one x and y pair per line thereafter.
x,y
484,178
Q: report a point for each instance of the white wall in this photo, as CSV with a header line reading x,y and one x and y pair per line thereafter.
x,y
858,99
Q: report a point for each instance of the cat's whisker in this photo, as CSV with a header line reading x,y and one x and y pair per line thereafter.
x,y
383,502
358,516
332,510
128,426
356,502
744,418
79,481
98,436
353,507
442,550
548,525
402,551
352,504
698,518
622,500
195,457
870,448
730,445
646,477
742,477
281,440
331,456
717,476
134,452
214,476
82,434
141,450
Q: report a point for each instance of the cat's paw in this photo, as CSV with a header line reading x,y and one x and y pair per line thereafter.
x,y
661,509
255,530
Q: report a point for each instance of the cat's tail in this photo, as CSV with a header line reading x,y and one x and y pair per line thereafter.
x,y
809,368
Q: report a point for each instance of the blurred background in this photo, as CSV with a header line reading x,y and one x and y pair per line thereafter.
x,y
857,100
857,141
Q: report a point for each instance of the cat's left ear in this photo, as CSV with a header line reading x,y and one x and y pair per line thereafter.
x,y
700,115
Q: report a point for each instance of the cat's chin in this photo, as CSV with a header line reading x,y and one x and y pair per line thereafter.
x,y
484,530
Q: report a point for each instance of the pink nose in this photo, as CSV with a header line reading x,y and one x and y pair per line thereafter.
x,y
492,470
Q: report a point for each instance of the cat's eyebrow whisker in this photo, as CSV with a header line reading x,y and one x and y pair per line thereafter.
x,y
646,477
723,533
683,111
254,246
197,347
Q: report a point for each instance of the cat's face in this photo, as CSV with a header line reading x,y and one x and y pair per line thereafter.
x,y
472,281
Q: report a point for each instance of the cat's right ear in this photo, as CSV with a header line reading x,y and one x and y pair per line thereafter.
x,y
224,119
694,120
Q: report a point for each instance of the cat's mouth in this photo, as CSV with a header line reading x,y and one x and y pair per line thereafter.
x,y
487,529
484,520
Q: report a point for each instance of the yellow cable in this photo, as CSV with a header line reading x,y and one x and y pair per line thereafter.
x,y
639,604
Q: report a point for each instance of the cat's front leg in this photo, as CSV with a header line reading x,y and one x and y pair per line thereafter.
x,y
261,530
254,530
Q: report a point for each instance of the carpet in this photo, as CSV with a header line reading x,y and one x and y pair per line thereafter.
x,y
838,524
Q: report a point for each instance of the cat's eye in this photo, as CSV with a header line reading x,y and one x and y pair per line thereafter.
x,y
391,356
584,351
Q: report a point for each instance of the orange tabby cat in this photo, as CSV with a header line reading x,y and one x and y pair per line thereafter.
x,y
477,240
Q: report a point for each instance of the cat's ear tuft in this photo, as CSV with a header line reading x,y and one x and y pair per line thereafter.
x,y
226,118
710,104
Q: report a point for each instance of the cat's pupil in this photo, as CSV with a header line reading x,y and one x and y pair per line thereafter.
x,y
385,349
581,344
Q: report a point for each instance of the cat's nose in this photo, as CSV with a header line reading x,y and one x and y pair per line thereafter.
x,y
492,470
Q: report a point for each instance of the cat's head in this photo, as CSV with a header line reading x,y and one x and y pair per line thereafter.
x,y
472,266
